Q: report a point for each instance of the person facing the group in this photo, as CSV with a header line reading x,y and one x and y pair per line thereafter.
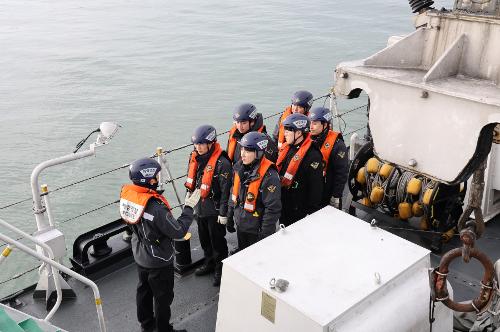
x,y
153,230
255,204
210,170
300,168
335,159
247,119
301,103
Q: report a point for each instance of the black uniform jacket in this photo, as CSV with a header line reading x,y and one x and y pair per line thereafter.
x,y
271,152
303,197
338,167
216,203
268,206
152,237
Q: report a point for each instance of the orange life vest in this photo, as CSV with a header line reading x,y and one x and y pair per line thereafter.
x,y
327,148
281,133
133,201
232,142
253,187
208,172
295,162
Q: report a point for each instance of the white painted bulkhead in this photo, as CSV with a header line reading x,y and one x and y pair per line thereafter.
x,y
344,276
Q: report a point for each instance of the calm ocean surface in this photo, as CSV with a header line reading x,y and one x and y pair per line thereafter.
x,y
159,68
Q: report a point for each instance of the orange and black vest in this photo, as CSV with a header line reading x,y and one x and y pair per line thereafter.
x,y
295,161
327,148
133,201
281,133
208,172
253,188
232,142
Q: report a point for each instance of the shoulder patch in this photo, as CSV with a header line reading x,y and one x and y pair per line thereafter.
x,y
315,164
271,188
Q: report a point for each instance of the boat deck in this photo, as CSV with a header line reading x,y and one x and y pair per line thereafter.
x,y
195,304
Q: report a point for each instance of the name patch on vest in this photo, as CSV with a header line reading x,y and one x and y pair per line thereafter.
x,y
130,211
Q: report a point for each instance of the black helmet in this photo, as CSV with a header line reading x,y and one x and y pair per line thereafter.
x,y
302,98
245,112
255,141
322,114
142,171
297,122
204,134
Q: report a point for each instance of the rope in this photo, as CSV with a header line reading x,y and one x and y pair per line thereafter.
x,y
352,110
89,178
165,152
355,130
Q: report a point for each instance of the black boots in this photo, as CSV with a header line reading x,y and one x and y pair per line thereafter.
x,y
204,269
217,277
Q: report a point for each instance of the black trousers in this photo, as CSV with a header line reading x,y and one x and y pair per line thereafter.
x,y
246,239
212,240
155,290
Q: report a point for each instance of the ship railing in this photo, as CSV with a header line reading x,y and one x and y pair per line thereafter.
x,y
56,267
336,115
48,250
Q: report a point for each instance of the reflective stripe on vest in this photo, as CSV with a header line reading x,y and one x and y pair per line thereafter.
x,y
253,188
327,148
281,133
133,201
208,172
232,142
295,161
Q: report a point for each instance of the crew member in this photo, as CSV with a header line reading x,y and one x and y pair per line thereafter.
x,y
301,103
154,228
301,172
247,119
335,159
210,170
256,194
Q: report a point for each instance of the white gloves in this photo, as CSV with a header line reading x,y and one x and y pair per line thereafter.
x,y
222,220
192,198
335,202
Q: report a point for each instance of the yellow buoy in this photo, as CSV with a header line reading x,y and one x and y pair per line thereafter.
x,y
427,196
417,209
360,177
366,202
404,210
414,186
377,194
424,224
372,165
385,170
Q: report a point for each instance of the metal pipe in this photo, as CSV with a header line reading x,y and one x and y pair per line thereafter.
x,y
37,200
45,194
55,273
163,161
334,109
90,283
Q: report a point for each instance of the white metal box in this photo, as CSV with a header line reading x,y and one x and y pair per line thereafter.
x,y
344,276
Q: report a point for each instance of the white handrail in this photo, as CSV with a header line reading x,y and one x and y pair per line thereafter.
x,y
35,189
55,273
90,283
